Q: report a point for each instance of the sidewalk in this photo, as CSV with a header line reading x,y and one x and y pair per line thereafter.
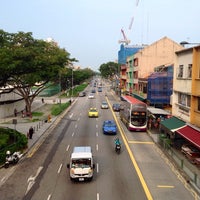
x,y
39,127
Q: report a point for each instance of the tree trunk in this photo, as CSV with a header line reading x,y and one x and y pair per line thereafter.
x,y
28,102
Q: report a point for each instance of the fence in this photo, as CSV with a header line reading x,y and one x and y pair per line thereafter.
x,y
191,173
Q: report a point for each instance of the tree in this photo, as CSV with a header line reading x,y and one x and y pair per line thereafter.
x,y
28,64
79,75
109,69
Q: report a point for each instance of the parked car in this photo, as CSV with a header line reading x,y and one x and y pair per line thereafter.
x,y
104,105
116,107
188,148
190,152
109,127
93,112
82,94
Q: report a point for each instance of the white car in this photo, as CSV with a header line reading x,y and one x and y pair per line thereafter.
x,y
91,96
104,105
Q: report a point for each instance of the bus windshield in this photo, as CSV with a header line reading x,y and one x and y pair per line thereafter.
x,y
138,118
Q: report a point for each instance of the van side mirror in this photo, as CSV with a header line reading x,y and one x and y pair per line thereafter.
x,y
93,166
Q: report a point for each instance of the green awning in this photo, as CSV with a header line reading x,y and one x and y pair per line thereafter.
x,y
138,97
173,123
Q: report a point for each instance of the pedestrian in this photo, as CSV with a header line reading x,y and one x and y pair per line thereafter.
x,y
31,131
22,114
42,100
49,118
15,112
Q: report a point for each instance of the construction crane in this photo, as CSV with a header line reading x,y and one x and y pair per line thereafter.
x,y
125,39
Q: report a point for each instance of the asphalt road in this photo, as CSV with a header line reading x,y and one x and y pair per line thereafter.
x,y
139,172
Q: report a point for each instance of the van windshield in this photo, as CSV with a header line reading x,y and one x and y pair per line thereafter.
x,y
81,163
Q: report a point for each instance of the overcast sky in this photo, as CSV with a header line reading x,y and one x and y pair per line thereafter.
x,y
90,29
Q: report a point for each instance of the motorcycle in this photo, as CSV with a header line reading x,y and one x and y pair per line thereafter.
x,y
118,148
12,158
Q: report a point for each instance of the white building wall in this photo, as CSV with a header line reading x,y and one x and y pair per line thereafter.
x,y
182,86
7,110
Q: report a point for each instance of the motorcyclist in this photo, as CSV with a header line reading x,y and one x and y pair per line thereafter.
x,y
117,141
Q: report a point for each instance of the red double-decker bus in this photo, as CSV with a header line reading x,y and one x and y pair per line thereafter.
x,y
133,113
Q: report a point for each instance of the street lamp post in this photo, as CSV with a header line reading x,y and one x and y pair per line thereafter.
x,y
72,82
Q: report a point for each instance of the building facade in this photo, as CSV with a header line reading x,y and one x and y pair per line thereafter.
x,y
123,53
186,81
160,87
157,55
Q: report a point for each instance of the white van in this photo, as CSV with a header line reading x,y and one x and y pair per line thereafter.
x,y
81,163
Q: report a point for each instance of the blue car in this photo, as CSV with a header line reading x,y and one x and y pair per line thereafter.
x,y
109,127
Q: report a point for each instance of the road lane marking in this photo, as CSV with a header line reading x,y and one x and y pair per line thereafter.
x,y
49,197
73,134
67,149
97,167
97,134
71,115
97,196
31,179
137,169
59,169
2,180
97,147
139,142
165,186
97,126
35,148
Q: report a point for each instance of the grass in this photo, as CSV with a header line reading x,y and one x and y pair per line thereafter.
x,y
37,114
58,108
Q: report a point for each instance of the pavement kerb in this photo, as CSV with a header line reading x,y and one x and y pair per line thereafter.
x,y
51,126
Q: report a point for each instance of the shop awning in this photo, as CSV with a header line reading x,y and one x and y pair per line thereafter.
x,y
173,123
190,134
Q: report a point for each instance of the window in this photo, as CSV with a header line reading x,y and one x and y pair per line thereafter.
x,y
180,71
184,100
198,102
189,71
135,62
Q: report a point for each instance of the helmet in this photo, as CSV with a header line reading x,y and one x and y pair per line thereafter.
x,y
8,153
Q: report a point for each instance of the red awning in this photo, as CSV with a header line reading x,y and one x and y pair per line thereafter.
x,y
190,134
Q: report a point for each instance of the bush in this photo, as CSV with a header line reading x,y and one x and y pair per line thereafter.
x,y
11,140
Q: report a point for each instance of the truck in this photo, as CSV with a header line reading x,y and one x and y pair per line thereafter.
x,y
81,164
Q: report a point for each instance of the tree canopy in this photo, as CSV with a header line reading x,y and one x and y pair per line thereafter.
x,y
26,62
109,69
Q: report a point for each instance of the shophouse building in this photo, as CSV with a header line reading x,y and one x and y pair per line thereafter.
x,y
123,53
147,60
160,87
186,89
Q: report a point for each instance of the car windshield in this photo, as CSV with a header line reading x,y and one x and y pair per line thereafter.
x,y
109,124
93,110
81,163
